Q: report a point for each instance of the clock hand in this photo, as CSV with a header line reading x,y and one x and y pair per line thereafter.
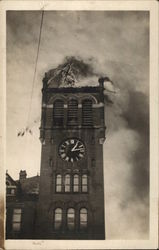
x,y
77,149
73,149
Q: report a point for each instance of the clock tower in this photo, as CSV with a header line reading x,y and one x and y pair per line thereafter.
x,y
72,133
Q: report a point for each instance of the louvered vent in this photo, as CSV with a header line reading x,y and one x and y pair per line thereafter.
x,y
87,114
58,113
72,118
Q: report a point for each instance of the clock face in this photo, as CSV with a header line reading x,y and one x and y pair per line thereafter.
x,y
72,150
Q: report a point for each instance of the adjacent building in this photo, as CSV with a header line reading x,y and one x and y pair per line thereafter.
x,y
21,203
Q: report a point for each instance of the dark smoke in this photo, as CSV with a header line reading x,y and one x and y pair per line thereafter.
x,y
71,71
137,117
126,151
127,120
74,72
129,111
127,162
79,67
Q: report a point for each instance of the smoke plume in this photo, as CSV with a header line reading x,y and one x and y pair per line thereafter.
x,y
126,167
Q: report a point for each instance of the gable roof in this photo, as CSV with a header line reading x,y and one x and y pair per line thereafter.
x,y
28,186
10,180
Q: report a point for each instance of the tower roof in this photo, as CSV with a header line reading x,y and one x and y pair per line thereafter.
x,y
72,73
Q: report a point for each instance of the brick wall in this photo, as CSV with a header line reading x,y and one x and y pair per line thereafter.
x,y
92,164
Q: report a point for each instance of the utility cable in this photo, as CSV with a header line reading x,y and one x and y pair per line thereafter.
x,y
36,62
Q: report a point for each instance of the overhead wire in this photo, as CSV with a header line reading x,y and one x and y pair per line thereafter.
x,y
21,133
36,62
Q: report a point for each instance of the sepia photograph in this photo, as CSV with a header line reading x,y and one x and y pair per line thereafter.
x,y
78,151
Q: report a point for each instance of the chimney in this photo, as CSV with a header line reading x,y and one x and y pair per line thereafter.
x,y
101,80
22,175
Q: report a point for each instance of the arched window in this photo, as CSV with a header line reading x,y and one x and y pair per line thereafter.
x,y
58,113
84,183
58,183
57,218
87,114
67,183
72,118
76,183
71,218
83,218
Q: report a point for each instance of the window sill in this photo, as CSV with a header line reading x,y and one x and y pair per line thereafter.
x,y
71,193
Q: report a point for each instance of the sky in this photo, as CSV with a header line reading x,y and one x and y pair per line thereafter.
x,y
115,44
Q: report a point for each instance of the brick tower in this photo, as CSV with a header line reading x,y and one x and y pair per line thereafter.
x,y
72,133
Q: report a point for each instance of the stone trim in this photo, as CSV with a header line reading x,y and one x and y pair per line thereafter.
x,y
94,105
98,105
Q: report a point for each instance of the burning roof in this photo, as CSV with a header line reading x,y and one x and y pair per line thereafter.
x,y
74,73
